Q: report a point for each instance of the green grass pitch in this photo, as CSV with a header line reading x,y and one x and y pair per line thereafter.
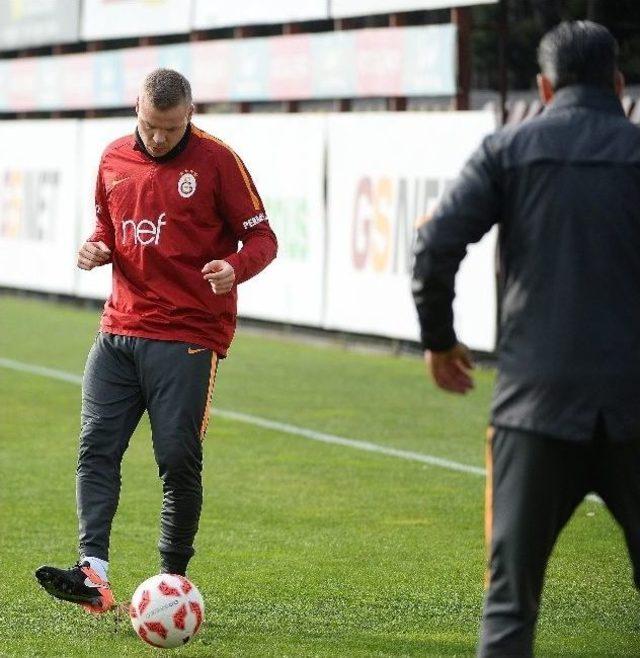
x,y
305,548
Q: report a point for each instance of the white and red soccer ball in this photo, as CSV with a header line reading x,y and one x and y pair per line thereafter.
x,y
166,611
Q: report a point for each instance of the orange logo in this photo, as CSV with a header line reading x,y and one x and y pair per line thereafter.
x,y
191,350
386,212
117,181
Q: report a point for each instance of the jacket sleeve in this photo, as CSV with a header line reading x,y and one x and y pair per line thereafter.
x,y
467,211
243,209
104,230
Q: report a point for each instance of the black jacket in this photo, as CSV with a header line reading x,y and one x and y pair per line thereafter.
x,y
565,189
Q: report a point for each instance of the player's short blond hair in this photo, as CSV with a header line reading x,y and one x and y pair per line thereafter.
x,y
166,88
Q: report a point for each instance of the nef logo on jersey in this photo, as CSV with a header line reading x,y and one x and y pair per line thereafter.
x,y
144,231
187,183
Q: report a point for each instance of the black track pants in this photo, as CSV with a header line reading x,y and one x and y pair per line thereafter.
x,y
534,484
174,382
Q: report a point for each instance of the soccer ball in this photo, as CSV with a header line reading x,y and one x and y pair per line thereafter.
x,y
166,611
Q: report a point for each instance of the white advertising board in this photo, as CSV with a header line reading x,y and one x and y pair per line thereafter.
x,y
38,211
95,135
343,8
224,13
385,172
28,23
346,267
285,156
114,19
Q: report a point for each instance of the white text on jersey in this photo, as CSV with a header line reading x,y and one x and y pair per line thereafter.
x,y
144,231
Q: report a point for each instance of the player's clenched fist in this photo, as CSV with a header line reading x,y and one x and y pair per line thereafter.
x,y
220,275
93,254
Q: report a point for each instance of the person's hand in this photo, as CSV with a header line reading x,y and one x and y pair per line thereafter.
x,y
93,254
451,370
220,275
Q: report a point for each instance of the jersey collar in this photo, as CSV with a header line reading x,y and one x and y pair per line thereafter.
x,y
174,152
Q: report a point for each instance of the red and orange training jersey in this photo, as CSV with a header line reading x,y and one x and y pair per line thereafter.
x,y
163,219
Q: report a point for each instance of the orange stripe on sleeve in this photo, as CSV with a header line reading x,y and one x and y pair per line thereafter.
x,y
255,200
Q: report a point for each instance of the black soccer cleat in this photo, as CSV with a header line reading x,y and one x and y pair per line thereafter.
x,y
79,584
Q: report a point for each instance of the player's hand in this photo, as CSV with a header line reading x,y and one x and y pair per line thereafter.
x,y
451,370
93,254
220,275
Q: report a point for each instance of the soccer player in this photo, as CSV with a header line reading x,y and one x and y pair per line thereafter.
x,y
565,190
172,204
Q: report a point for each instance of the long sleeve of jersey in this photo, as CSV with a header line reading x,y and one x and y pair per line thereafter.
x,y
104,229
242,208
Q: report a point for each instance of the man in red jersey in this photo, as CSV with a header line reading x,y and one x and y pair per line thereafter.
x,y
172,204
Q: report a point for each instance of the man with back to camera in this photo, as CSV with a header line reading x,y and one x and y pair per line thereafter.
x,y
172,204
565,419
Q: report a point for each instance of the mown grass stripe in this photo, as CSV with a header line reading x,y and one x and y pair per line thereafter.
x,y
286,428
277,426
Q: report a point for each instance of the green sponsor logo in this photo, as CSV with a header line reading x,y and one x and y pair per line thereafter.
x,y
290,220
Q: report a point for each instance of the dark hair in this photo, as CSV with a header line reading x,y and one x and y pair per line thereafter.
x,y
579,52
166,88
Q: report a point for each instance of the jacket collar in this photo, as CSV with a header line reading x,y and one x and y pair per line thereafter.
x,y
174,152
586,96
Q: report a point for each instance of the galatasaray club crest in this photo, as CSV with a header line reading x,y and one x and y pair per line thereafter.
x,y
187,183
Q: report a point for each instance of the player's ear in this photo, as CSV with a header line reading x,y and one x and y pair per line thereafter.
x,y
545,88
137,104
192,109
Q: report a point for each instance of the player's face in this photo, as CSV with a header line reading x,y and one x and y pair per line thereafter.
x,y
161,130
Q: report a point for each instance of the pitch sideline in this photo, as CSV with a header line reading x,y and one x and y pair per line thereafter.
x,y
277,426
285,428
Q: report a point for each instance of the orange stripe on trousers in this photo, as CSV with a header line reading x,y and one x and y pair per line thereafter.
x,y
488,503
212,383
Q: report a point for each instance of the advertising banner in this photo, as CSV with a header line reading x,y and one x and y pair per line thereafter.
x,y
343,8
285,156
386,172
115,19
31,23
344,267
38,210
222,13
404,61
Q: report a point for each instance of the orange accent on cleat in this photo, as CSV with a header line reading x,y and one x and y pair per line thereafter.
x,y
105,600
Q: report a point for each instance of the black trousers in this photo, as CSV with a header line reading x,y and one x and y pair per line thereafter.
x,y
174,382
534,484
